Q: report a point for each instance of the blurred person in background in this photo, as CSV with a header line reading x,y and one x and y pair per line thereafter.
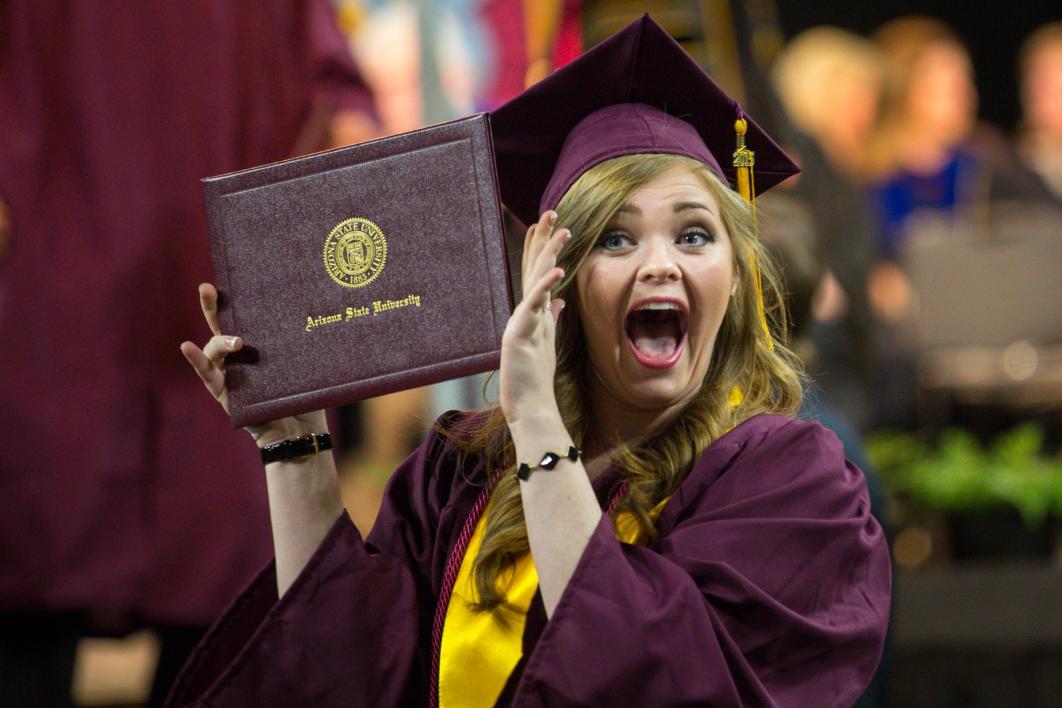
x,y
921,156
1040,135
122,507
929,151
929,159
830,81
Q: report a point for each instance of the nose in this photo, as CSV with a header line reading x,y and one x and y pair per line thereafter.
x,y
659,263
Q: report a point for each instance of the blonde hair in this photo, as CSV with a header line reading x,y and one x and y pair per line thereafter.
x,y
769,378
814,65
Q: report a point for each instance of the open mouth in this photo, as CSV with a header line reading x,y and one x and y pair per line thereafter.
x,y
656,333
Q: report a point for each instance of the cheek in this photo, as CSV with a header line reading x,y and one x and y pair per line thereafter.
x,y
584,295
598,294
713,297
599,297
589,304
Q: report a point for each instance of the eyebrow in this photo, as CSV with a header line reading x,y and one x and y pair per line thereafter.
x,y
685,206
680,206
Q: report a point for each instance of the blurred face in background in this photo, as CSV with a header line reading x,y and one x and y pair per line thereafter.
x,y
830,81
941,99
1042,91
857,100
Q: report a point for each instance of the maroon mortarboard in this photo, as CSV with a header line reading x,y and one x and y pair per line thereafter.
x,y
636,92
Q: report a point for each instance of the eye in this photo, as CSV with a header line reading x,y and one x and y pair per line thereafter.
x,y
696,236
613,241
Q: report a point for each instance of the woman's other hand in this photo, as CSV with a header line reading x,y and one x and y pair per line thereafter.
x,y
528,358
209,363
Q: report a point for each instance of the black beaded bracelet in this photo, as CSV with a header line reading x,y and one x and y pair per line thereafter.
x,y
302,446
548,462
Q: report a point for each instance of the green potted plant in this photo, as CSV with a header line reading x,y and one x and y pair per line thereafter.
x,y
998,500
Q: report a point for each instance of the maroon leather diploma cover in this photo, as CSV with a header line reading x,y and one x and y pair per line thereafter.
x,y
360,271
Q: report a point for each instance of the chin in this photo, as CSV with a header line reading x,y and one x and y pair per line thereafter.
x,y
660,394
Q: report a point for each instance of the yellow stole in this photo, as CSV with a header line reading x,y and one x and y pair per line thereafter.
x,y
479,650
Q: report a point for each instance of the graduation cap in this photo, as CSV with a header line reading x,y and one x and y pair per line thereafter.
x,y
636,92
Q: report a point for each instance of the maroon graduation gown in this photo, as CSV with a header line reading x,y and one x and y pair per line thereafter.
x,y
121,493
769,584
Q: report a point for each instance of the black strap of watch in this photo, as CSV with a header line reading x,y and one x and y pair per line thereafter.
x,y
302,446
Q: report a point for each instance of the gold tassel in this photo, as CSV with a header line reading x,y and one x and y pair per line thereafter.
x,y
744,160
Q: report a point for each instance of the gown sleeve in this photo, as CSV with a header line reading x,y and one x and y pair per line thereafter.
x,y
352,628
769,585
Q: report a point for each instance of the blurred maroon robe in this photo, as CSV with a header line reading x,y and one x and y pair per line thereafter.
x,y
122,492
768,585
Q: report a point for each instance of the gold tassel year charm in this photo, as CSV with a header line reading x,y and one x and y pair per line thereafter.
x,y
744,160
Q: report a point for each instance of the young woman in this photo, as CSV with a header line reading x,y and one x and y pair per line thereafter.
x,y
638,522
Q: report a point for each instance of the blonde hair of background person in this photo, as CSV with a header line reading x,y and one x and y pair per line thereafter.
x,y
1040,133
929,103
830,82
769,378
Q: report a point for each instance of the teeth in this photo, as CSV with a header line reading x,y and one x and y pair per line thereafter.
x,y
659,306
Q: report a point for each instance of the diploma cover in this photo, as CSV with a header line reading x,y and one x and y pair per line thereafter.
x,y
360,271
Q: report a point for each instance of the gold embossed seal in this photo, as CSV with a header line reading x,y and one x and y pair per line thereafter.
x,y
355,252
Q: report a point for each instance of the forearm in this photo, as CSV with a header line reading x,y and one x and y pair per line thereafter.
x,y
304,503
560,508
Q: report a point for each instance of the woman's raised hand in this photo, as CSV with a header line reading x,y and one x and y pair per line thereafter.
x,y
528,358
209,363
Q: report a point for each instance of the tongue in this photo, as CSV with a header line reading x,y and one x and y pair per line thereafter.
x,y
655,340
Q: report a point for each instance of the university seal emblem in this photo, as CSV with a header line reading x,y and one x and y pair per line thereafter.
x,y
355,252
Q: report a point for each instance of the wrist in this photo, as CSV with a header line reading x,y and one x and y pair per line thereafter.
x,y
532,438
531,417
529,433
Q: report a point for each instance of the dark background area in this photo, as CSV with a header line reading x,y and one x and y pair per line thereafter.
x,y
992,31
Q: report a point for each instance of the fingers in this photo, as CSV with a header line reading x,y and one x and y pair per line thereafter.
x,y
208,362
208,300
211,375
196,358
525,255
542,250
537,236
221,346
555,308
538,299
547,257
